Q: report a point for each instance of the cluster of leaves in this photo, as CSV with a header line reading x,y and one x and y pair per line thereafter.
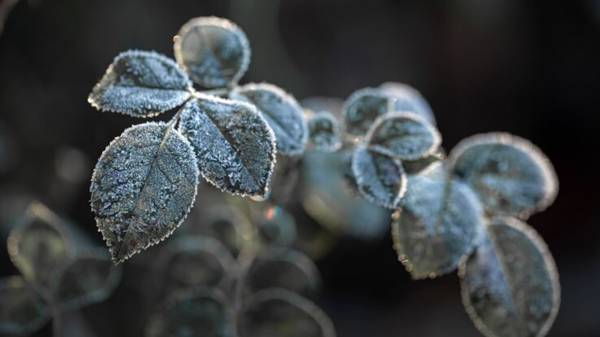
x,y
238,276
144,183
465,211
59,272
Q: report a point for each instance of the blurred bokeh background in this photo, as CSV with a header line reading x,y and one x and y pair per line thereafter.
x,y
531,68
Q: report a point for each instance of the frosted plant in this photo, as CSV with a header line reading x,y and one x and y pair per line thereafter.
x,y
59,272
145,181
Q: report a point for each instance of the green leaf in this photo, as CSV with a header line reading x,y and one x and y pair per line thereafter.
x,y
234,145
407,98
510,284
403,135
363,107
324,132
286,269
143,186
22,312
38,246
214,51
281,111
195,261
510,175
141,84
200,312
380,178
438,224
278,312
87,279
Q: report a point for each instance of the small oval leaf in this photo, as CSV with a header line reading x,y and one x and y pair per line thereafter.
x,y
363,107
200,312
234,146
195,261
438,224
404,135
510,175
87,279
143,186
380,179
510,284
22,312
278,312
281,111
214,51
141,84
324,132
407,98
285,269
38,246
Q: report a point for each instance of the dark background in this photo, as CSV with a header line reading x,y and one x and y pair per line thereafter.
x,y
526,67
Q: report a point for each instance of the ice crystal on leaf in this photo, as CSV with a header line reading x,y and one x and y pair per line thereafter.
x,y
214,51
439,223
281,111
234,145
141,84
380,178
324,132
143,186
362,108
407,98
403,135
510,175
509,284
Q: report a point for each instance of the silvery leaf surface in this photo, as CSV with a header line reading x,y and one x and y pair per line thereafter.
x,y
509,284
234,145
281,111
407,98
362,108
324,132
143,187
141,84
213,51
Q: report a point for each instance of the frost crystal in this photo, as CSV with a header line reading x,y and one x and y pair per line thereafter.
x,y
407,98
510,175
277,312
362,108
143,186
234,146
141,84
403,135
214,51
438,224
281,111
381,179
324,132
509,284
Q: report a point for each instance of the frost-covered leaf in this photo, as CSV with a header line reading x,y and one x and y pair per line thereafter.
x,y
324,132
195,261
438,224
143,186
141,84
200,312
510,175
275,226
87,279
380,178
214,51
330,200
404,135
363,107
416,166
21,311
281,111
407,98
38,246
278,312
283,268
510,284
234,145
